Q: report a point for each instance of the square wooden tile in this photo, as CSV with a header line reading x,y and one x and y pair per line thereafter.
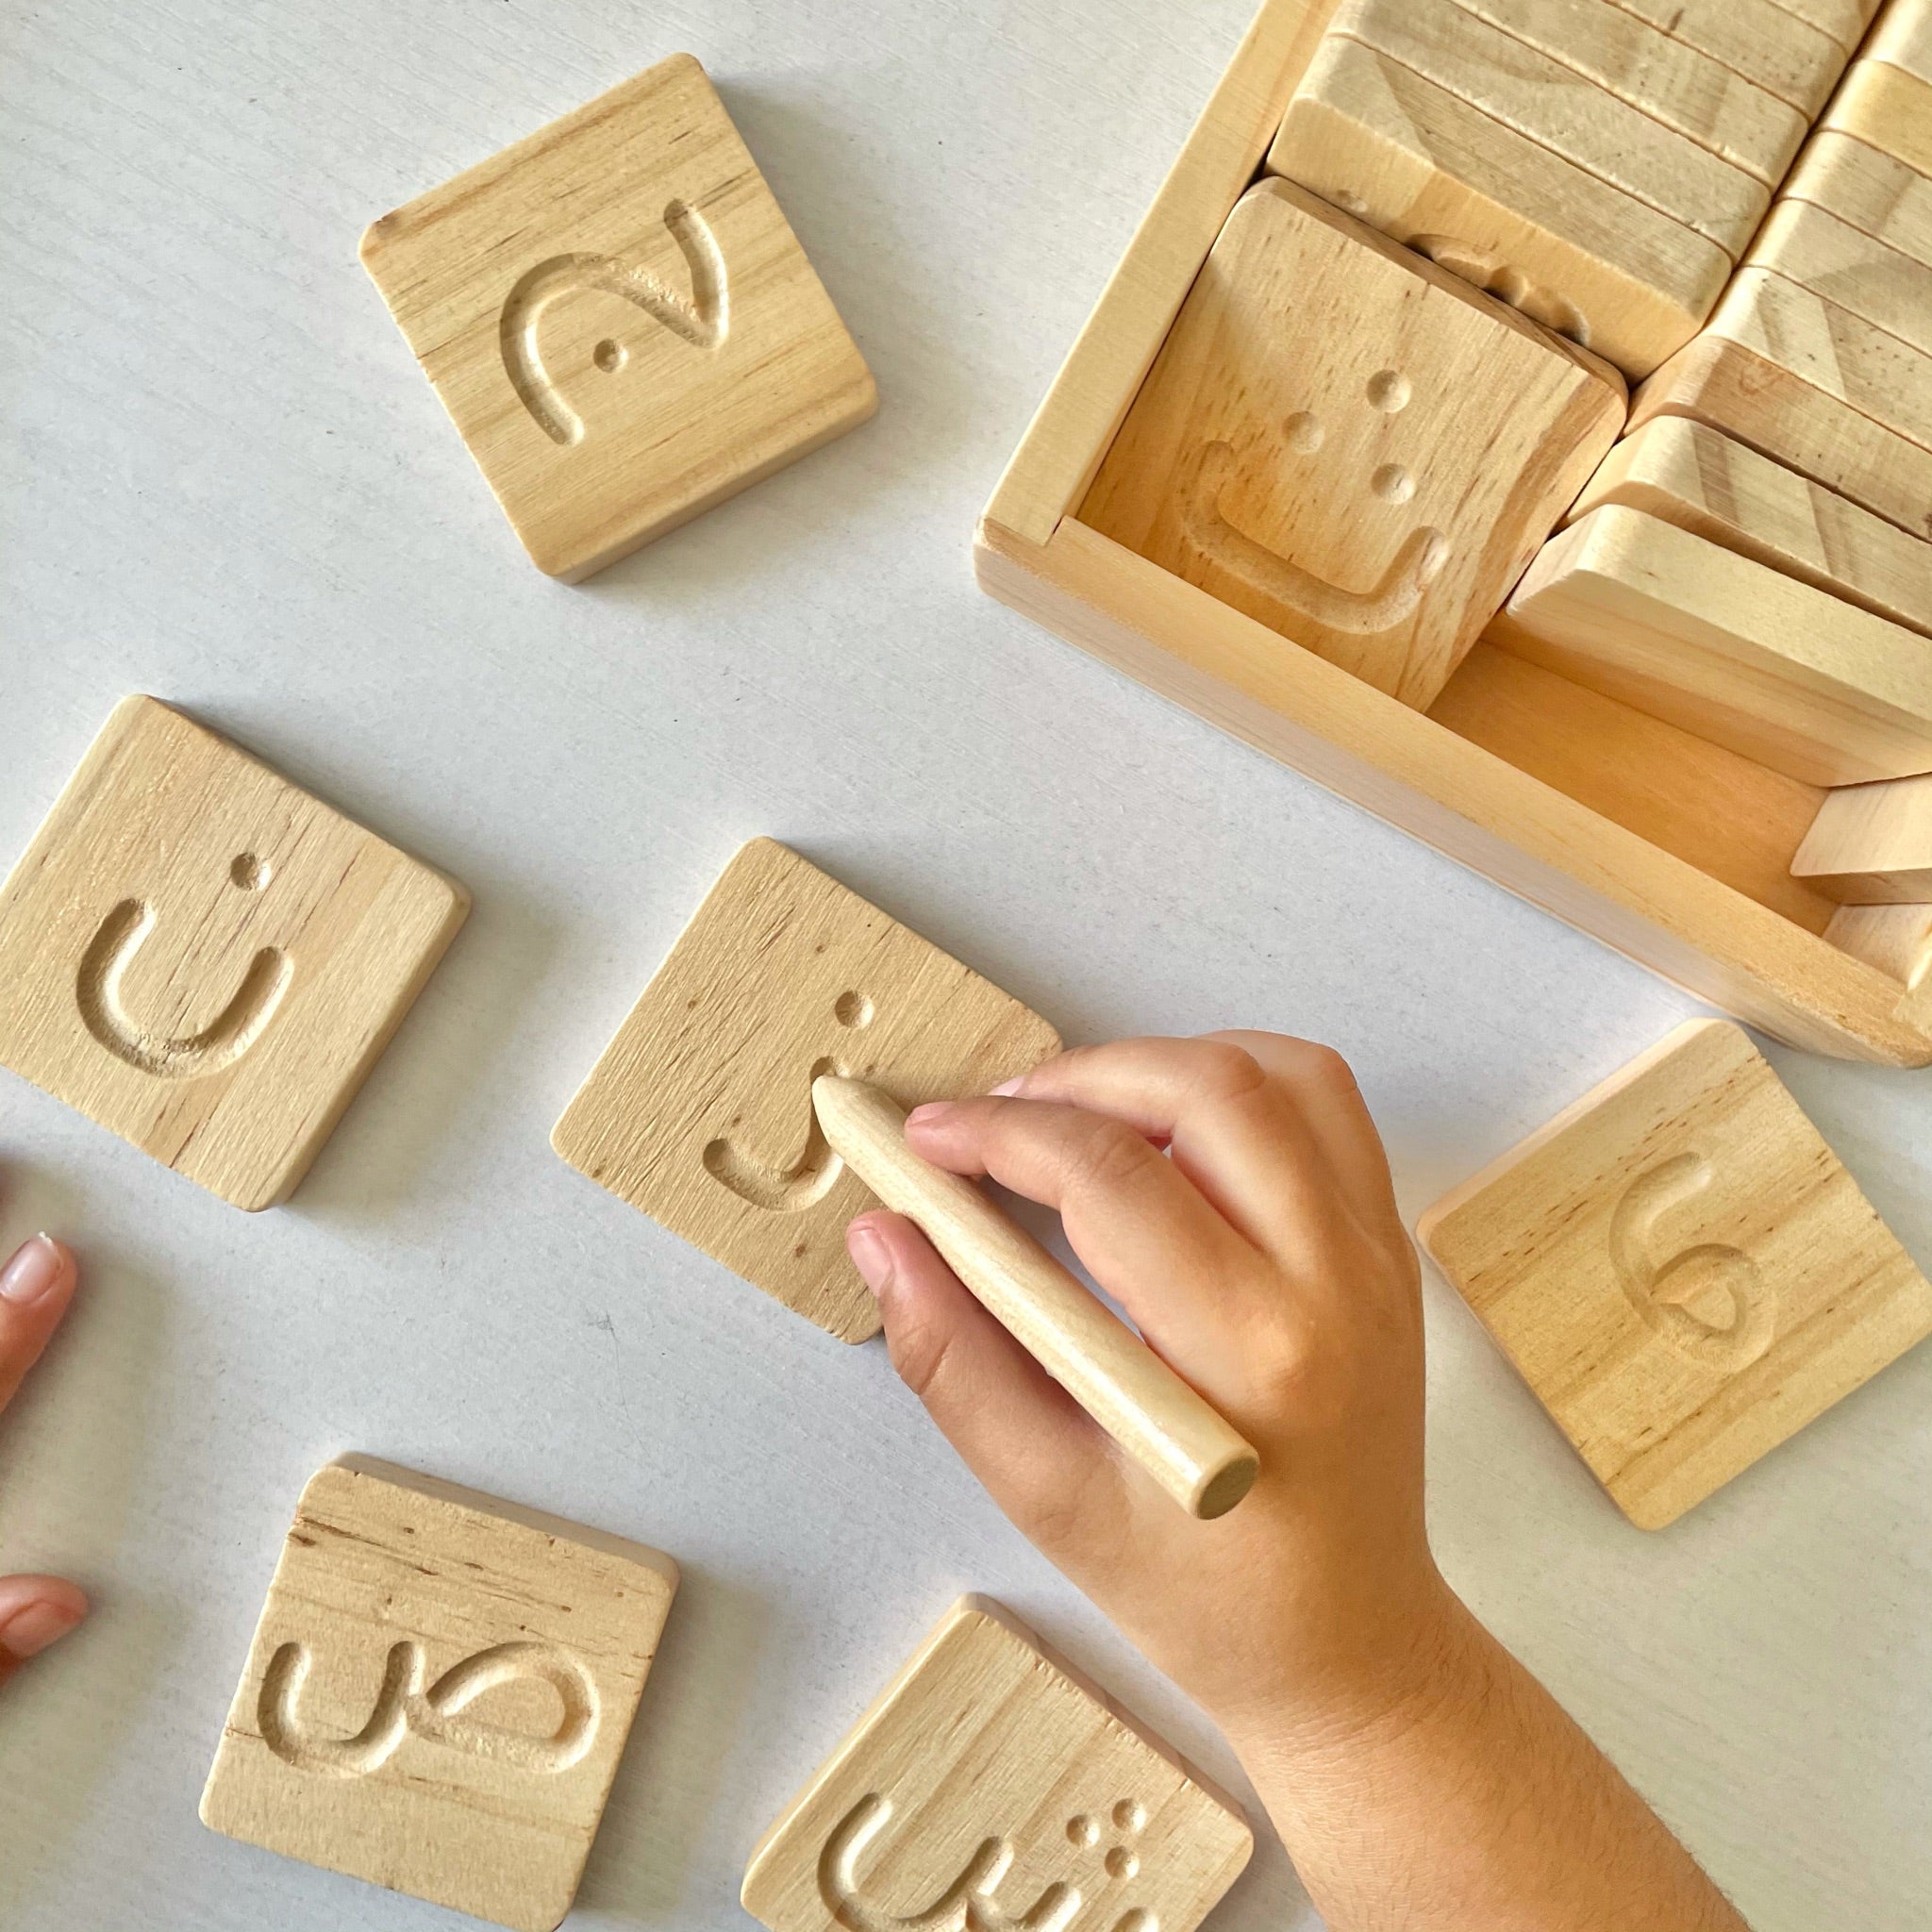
x,y
619,321
205,959
990,1777
1681,1269
438,1691
700,1109
1350,443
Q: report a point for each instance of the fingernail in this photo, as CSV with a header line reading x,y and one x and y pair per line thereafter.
x,y
35,1270
930,1114
870,1255
35,1626
1007,1088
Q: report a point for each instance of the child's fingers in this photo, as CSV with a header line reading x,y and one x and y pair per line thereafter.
x,y
1144,1231
35,1288
1323,1086
1043,1459
35,1611
1235,1130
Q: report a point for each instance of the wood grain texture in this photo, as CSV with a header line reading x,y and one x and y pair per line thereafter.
x,y
1666,80
1871,845
1888,108
1515,219
989,1778
699,1112
438,1691
1873,190
1830,348
1758,39
1735,820
1350,443
1897,939
1050,471
619,321
1555,851
1681,1269
1903,37
1840,264
205,960
1713,486
1162,1424
1729,387
1726,647
1843,21
1564,112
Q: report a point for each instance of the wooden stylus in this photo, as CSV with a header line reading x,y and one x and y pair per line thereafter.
x,y
1162,1422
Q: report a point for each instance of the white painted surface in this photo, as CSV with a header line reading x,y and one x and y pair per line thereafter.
x,y
224,481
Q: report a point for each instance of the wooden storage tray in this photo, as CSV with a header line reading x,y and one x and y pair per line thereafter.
x,y
1669,849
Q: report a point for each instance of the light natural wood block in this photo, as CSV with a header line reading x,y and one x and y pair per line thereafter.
x,y
619,320
1706,482
1610,841
1565,111
700,1110
1905,37
1350,443
1681,1269
1758,39
1871,845
1844,20
1888,108
206,961
1732,387
1896,939
1726,647
991,1786
1837,263
1530,228
1883,198
438,1691
1663,78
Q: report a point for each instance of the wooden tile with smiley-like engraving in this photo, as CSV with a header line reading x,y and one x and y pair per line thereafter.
x,y
619,321
206,961
992,1786
438,1691
1681,1269
700,1110
1350,443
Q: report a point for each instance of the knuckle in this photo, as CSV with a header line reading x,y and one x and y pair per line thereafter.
x,y
1225,1071
1108,1155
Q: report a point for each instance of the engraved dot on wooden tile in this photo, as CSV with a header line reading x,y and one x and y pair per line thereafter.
x,y
1389,390
1129,1815
1082,1830
1122,1863
1303,433
609,356
852,1010
1393,483
250,873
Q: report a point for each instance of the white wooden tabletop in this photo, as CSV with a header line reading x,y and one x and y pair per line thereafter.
x,y
224,481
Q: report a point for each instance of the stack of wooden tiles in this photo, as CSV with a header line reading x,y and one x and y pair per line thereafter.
x,y
1601,164
1752,561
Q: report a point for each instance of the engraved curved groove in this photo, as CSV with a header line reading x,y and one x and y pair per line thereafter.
x,y
1137,1918
1505,282
967,1905
787,1190
402,1707
191,1057
1363,613
703,322
436,1717
1658,1290
371,1748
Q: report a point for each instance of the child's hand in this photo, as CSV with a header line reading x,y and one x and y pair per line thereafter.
x,y
35,1287
1265,1261
1420,1778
